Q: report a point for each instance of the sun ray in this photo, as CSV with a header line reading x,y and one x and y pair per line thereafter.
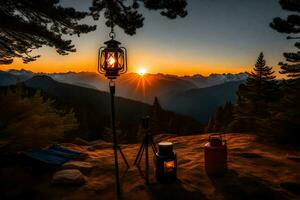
x,y
142,71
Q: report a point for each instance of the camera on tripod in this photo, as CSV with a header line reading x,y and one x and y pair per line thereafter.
x,y
145,122
147,140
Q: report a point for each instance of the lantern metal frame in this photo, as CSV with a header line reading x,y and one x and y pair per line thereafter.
x,y
112,46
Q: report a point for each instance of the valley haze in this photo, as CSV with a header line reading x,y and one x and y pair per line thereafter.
x,y
196,96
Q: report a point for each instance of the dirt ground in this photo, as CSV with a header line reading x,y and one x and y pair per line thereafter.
x,y
256,171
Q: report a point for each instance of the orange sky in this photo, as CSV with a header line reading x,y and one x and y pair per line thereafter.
x,y
84,60
210,39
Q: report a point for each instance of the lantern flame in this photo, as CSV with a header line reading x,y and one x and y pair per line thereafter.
x,y
111,61
169,165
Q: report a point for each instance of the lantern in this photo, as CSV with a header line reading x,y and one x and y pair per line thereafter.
x,y
165,162
112,59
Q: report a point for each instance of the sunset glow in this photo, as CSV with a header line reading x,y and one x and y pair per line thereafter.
x,y
142,71
186,51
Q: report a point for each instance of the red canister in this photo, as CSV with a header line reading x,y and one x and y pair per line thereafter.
x,y
215,155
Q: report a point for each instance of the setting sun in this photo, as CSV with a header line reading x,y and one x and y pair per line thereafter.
x,y
142,71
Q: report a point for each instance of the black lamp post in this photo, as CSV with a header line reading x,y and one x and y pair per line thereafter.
x,y
112,61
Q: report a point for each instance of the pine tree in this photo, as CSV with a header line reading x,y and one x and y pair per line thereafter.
x,y
218,120
286,115
126,15
256,96
210,126
290,25
261,87
227,116
29,24
221,119
156,116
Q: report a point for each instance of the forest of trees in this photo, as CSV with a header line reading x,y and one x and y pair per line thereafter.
x,y
29,121
267,106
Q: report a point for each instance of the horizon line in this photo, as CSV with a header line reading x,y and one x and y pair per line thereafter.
x,y
131,72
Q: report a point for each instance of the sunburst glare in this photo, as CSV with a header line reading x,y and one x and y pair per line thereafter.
x,y
142,71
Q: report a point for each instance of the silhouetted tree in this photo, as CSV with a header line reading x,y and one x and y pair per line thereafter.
x,y
286,114
156,116
227,116
220,120
284,121
29,24
210,125
290,25
255,97
126,15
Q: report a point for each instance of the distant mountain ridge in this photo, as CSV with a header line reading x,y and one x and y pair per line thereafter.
x,y
166,82
196,96
215,79
201,103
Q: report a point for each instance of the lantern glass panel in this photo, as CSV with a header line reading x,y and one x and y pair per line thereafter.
x,y
169,166
102,59
111,60
121,59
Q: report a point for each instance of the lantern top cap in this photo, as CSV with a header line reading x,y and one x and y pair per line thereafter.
x,y
112,43
165,144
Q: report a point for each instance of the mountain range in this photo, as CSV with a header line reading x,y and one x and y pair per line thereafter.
x,y
196,96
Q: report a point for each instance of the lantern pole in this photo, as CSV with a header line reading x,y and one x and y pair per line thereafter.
x,y
112,72
116,147
112,89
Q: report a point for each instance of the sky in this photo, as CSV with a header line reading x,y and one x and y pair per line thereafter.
x,y
216,36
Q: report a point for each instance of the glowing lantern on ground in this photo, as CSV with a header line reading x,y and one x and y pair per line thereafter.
x,y
165,162
112,59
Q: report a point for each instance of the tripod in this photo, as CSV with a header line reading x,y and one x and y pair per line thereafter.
x,y
116,147
147,139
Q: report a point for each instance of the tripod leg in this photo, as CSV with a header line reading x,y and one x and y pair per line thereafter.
x,y
153,146
139,154
123,156
146,162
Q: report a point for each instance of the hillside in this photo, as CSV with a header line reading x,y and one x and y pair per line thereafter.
x,y
256,171
201,103
7,79
92,108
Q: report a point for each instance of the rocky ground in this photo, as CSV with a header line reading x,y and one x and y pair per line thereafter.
x,y
256,171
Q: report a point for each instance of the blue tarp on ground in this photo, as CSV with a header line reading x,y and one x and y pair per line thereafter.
x,y
54,155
